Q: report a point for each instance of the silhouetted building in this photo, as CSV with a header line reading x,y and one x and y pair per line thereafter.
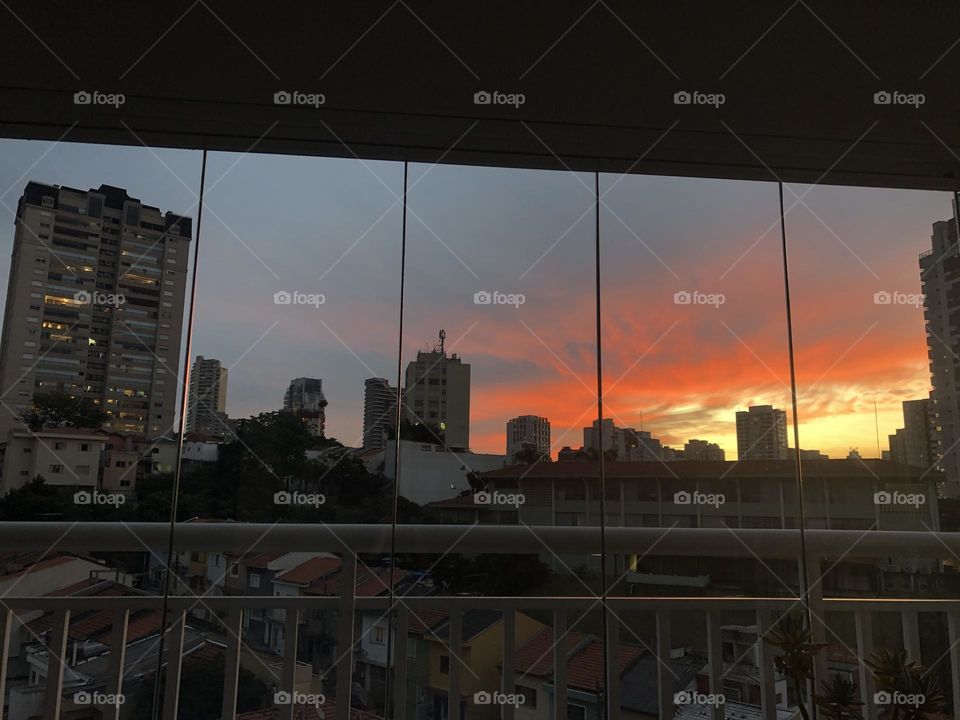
x,y
528,431
437,392
95,305
941,301
914,443
379,412
304,397
703,450
207,400
762,433
625,444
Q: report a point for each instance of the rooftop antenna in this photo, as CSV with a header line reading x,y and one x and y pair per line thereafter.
x,y
443,336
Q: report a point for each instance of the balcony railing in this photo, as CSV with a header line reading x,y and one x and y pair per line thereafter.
x,y
349,540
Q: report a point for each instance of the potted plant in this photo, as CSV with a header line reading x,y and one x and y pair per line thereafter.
x,y
905,689
839,699
797,652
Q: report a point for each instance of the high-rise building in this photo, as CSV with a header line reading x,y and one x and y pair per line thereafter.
x,y
939,267
95,306
914,443
703,450
528,431
626,444
379,412
762,433
207,399
437,393
304,398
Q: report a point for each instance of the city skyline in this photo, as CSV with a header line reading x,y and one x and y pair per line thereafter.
x,y
688,385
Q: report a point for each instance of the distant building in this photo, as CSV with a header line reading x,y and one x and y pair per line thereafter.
x,y
703,450
807,454
530,431
379,412
626,444
915,443
437,392
762,433
81,458
939,267
94,306
207,400
304,398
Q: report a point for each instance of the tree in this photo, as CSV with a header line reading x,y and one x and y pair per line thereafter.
x,y
529,455
59,409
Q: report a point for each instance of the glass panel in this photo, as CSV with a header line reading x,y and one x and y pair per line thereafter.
x,y
499,363
87,232
870,270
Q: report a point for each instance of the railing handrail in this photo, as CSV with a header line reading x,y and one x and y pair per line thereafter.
x,y
469,602
242,538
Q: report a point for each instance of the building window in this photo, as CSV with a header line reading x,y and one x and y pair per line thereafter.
x,y
529,694
379,635
59,445
576,712
56,469
28,450
84,447
254,580
445,664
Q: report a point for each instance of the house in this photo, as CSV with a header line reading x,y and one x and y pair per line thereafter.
x,y
533,665
480,659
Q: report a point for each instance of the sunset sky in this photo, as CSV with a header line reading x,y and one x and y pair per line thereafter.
x,y
333,227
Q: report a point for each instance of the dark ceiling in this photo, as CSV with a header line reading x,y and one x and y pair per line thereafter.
x,y
598,80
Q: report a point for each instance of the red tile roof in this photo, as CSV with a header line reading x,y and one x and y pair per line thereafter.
x,y
420,621
310,571
584,658
263,559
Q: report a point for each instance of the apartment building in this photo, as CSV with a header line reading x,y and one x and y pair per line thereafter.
x,y
528,431
207,399
437,393
94,305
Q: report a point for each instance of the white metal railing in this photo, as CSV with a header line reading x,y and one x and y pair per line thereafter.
x,y
241,538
